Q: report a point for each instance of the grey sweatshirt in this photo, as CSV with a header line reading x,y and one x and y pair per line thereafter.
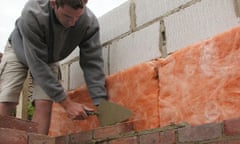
x,y
39,39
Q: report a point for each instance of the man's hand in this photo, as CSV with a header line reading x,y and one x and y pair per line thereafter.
x,y
76,111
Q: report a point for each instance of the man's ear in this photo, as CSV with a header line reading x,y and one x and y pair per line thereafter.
x,y
52,3
85,1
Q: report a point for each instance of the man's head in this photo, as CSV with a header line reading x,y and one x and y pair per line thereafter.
x,y
68,11
76,4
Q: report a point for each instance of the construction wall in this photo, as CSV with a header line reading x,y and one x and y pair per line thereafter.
x,y
225,132
148,30
140,30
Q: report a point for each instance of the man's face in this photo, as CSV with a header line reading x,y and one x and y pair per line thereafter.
x,y
68,16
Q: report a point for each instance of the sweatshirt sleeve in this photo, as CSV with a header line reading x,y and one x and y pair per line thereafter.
x,y
36,54
92,64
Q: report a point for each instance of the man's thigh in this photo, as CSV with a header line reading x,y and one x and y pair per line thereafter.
x,y
38,92
12,76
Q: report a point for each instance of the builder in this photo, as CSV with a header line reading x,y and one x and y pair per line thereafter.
x,y
47,32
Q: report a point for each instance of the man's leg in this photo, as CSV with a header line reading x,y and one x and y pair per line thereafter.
x,y
7,108
42,115
12,76
43,104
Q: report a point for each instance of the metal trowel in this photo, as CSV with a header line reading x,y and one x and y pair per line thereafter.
x,y
110,113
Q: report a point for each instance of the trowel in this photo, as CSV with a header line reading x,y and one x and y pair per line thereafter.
x,y
110,113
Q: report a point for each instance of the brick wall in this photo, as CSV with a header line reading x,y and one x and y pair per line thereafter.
x,y
225,132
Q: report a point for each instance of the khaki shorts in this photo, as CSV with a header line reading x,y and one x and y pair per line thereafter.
x,y
13,75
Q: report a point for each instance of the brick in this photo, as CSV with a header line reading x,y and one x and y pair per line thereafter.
x,y
168,137
102,142
13,136
200,133
128,140
110,131
62,140
40,139
232,127
152,138
15,123
227,142
82,137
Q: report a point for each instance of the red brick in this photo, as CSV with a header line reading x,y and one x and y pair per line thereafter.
x,y
102,142
232,127
128,140
152,138
200,133
12,136
114,130
15,123
168,137
227,142
62,140
82,137
40,139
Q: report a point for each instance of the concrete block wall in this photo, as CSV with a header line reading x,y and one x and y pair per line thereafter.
x,y
141,30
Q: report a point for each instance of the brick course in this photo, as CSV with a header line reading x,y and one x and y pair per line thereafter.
x,y
15,123
83,137
225,132
40,139
13,136
200,133
232,127
128,140
168,137
152,138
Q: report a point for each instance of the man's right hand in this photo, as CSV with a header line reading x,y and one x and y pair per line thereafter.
x,y
76,111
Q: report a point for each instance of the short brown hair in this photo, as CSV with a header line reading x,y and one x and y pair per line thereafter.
x,y
76,4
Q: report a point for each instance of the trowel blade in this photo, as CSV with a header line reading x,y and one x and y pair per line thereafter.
x,y
110,113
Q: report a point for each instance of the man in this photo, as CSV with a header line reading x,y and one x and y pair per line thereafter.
x,y
47,32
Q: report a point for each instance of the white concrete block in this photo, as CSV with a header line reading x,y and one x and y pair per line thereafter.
x,y
76,78
138,47
148,10
198,22
65,73
115,22
105,58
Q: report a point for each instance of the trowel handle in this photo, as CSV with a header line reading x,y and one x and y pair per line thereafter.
x,y
89,113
